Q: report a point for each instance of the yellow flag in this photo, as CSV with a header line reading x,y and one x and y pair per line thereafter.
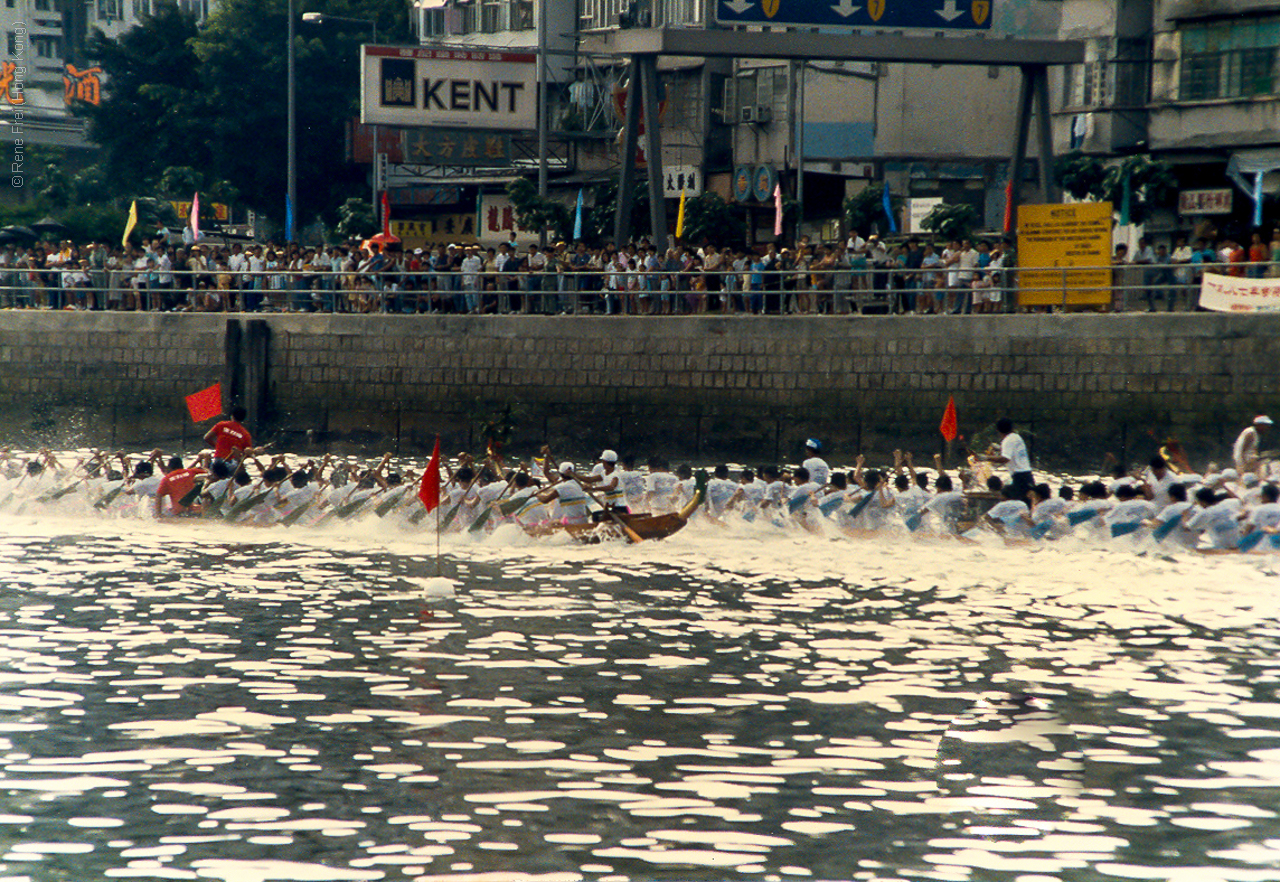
x,y
680,216
132,222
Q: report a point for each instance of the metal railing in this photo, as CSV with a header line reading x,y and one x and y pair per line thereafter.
x,y
666,291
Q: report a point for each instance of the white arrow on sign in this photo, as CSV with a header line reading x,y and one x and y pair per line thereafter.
x,y
846,8
739,6
949,11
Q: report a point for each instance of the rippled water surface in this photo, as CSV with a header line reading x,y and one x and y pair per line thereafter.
x,y
185,701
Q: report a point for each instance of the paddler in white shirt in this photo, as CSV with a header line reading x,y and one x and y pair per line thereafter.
x,y
817,467
571,498
606,478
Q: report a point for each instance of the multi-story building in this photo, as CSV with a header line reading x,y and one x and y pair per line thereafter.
x,y
932,132
44,68
1191,82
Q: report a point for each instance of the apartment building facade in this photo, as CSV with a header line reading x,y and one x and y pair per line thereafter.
x,y
822,130
44,69
1194,83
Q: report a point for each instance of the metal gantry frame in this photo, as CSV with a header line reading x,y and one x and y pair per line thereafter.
x,y
643,48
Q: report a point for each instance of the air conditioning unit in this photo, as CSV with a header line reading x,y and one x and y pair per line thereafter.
x,y
747,113
764,113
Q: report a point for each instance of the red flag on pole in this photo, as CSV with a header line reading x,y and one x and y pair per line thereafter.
x,y
205,404
949,428
429,491
1008,207
386,214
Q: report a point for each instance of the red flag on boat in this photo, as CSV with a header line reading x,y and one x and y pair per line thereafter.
x,y
949,428
429,491
205,404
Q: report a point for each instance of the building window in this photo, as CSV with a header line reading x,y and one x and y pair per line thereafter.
x,y
491,17
1229,59
43,5
522,15
13,44
110,10
47,47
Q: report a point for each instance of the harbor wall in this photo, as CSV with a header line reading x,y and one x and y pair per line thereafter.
x,y
747,389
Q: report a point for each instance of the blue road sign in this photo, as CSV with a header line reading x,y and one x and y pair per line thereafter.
x,y
933,15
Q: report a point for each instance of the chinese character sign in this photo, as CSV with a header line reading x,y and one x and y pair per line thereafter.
x,y
82,85
10,84
1205,201
458,147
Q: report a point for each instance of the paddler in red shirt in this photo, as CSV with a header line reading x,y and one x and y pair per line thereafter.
x,y
174,486
229,437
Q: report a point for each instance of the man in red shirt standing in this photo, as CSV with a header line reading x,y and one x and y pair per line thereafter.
x,y
174,486
229,436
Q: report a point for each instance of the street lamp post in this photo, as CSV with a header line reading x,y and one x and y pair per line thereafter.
x,y
321,18
291,178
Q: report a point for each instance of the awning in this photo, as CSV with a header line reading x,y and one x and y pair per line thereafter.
x,y
1256,164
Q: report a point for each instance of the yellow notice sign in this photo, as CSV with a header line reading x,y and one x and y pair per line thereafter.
x,y
1052,239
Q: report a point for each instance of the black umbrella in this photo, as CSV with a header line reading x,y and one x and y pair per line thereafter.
x,y
20,232
48,225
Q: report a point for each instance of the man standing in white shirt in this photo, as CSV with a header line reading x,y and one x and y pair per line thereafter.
x,y
1013,454
1245,451
817,467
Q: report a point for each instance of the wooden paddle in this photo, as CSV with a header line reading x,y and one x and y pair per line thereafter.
x,y
453,512
1162,532
631,534
481,519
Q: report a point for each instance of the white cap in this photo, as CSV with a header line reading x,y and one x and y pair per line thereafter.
x,y
1250,479
1263,420
566,468
1229,475
609,456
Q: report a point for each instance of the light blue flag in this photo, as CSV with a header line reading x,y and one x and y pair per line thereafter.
x,y
888,209
288,219
577,219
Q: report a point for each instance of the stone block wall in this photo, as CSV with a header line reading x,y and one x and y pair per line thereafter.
x,y
748,389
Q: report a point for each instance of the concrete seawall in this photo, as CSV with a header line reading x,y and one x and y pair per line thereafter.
x,y
710,387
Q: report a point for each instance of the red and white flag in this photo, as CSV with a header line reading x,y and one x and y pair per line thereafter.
x,y
777,209
195,217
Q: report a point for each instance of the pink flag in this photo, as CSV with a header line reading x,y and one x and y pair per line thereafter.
x,y
195,216
777,209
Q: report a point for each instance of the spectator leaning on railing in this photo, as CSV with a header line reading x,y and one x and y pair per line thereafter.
x,y
858,275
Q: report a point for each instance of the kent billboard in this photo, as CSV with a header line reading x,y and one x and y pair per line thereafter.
x,y
458,88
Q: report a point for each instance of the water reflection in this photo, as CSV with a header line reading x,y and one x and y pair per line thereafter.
x,y
193,703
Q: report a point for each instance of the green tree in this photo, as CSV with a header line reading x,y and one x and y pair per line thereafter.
x,y
101,221
951,221
865,209
356,219
1151,185
535,213
709,217
153,112
1079,174
214,100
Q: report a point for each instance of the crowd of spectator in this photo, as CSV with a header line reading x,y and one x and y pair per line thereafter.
x,y
857,275
1157,271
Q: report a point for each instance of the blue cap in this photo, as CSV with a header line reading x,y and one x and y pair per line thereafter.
x,y
814,443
